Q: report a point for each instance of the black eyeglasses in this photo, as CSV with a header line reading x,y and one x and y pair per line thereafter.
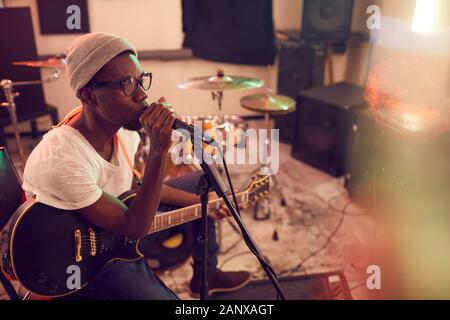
x,y
129,85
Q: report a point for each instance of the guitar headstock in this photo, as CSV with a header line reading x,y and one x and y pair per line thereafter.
x,y
259,188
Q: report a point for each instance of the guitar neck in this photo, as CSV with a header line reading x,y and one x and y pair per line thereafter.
x,y
176,217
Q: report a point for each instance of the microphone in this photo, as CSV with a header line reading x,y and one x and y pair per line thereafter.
x,y
193,132
189,130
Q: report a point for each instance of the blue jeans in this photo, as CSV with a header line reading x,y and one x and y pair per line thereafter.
x,y
189,183
135,280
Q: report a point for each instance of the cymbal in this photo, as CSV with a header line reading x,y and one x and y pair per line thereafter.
x,y
264,102
50,63
221,82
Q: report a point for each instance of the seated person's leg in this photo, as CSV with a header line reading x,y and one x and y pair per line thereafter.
x,y
189,183
125,280
218,280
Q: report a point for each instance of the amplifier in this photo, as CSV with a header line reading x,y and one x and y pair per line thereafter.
x,y
320,286
323,125
300,66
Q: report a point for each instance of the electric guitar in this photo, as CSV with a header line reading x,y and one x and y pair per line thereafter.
x,y
48,246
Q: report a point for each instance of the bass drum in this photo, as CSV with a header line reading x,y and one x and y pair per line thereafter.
x,y
168,249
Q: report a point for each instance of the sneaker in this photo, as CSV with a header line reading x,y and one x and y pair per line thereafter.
x,y
219,281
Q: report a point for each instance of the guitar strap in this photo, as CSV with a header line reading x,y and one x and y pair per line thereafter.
x,y
117,138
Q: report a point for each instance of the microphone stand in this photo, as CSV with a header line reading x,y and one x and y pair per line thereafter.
x,y
203,189
213,180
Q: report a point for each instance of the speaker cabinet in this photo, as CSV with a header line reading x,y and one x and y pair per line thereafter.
x,y
327,20
321,286
323,123
300,66
360,162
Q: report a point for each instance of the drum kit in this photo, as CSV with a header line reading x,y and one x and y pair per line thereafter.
x,y
266,103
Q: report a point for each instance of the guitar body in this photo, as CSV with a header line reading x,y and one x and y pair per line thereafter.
x,y
42,248
167,249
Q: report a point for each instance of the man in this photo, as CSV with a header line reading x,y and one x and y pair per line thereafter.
x,y
82,166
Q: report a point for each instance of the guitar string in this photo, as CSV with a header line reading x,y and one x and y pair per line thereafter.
x,y
87,248
214,201
159,217
109,243
108,239
106,234
114,240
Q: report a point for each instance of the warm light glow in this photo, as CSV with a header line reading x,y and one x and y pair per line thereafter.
x,y
407,95
424,16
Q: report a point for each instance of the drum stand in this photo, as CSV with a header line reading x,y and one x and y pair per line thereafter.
x,y
264,169
7,86
219,96
268,104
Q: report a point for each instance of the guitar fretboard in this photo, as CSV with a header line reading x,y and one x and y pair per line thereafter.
x,y
165,220
169,219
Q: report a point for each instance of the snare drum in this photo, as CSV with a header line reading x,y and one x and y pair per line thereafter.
x,y
219,128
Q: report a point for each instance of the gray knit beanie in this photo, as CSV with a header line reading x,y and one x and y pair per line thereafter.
x,y
86,55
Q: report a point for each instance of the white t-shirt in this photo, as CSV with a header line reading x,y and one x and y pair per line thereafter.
x,y
66,172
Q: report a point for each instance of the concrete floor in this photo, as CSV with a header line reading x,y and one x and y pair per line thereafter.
x,y
313,212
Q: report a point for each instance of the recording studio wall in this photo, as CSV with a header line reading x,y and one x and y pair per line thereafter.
x,y
53,16
231,31
17,45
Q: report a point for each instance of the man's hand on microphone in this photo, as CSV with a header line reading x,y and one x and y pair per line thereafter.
x,y
157,122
